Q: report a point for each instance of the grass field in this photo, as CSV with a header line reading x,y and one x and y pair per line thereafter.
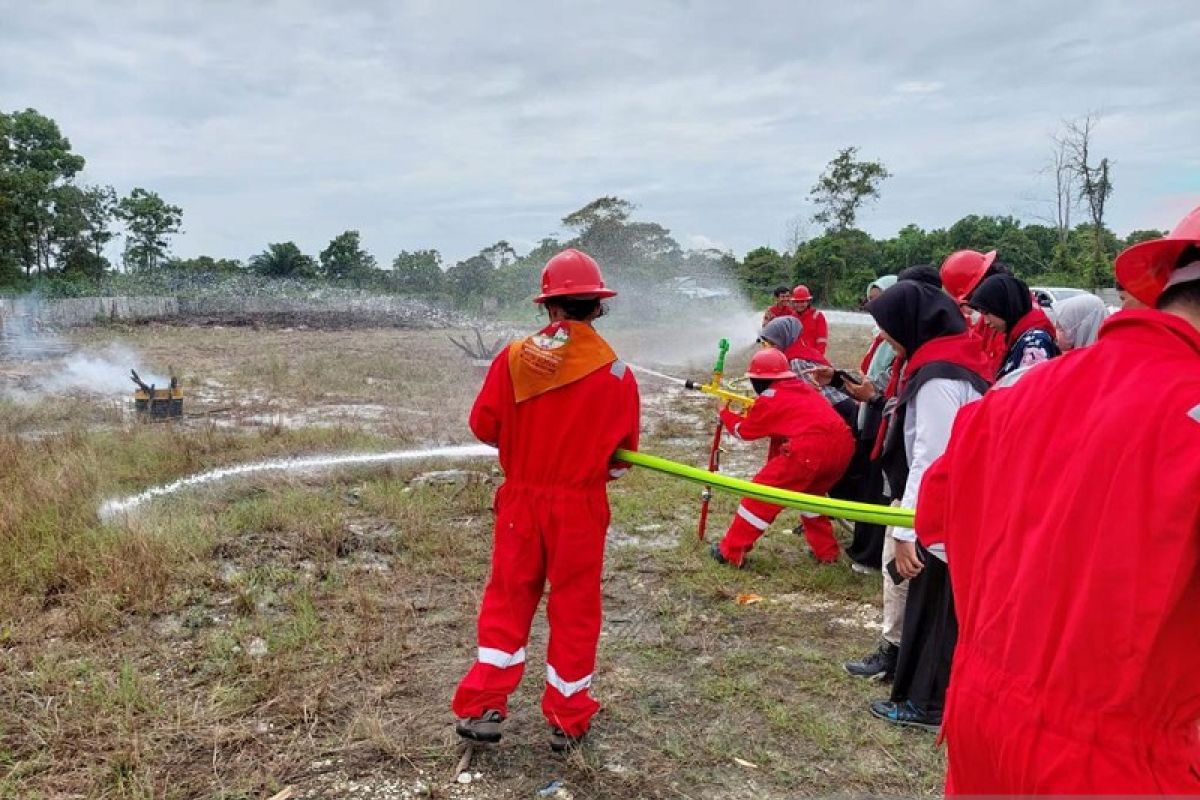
x,y
306,631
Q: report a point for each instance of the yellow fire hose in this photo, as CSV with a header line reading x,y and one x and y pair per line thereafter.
x,y
842,509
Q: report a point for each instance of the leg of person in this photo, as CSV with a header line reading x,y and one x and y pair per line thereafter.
x,y
818,532
867,547
826,461
509,602
939,630
895,595
880,664
923,663
575,529
754,516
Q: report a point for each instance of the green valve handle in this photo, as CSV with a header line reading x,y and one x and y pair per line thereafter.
x,y
722,351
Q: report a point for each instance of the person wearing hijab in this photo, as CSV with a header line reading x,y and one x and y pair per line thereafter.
x,y
866,549
786,334
1008,308
1078,320
939,369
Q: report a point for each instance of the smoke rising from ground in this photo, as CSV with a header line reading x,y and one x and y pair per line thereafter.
x,y
49,364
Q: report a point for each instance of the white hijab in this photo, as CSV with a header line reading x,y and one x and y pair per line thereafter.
x,y
1079,318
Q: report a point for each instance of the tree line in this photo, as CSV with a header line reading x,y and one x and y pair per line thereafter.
x,y
55,234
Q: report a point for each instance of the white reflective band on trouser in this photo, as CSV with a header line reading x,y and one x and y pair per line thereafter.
x,y
616,473
566,688
501,659
750,517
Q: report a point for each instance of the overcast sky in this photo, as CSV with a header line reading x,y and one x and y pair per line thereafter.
x,y
452,125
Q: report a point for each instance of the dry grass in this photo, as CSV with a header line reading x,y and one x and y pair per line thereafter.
x,y
309,632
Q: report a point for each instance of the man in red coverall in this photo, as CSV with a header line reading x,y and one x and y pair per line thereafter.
x,y
810,449
557,405
816,330
1069,505
961,273
782,306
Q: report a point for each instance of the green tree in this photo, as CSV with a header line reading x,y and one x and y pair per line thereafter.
x,y
283,260
206,265
911,245
345,258
82,228
763,269
1137,237
418,272
471,278
628,251
843,188
149,220
35,163
839,266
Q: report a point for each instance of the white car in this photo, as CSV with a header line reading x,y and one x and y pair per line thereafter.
x,y
1050,296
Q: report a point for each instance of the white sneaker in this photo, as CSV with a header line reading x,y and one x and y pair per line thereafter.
x,y
863,569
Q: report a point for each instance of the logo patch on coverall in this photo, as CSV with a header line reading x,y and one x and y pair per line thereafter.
x,y
539,352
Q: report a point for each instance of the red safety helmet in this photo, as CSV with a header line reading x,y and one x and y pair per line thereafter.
x,y
769,364
1144,269
572,273
802,294
963,270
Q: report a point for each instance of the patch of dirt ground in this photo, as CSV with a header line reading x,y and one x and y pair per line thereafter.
x,y
306,641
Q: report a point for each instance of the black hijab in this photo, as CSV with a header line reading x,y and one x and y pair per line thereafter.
x,y
1003,295
913,312
922,273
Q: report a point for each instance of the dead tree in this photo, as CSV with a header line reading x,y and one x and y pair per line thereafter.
x,y
479,351
1092,185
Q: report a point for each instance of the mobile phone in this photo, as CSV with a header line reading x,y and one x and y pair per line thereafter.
x,y
897,578
840,376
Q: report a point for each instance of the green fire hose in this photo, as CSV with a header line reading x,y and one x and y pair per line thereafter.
x,y
842,509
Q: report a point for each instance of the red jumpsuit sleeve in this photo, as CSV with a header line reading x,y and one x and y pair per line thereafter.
x,y
756,423
487,412
630,422
821,340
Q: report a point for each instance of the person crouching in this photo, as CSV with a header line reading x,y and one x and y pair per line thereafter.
x,y
810,449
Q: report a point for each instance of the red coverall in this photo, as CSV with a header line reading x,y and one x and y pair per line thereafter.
x,y
810,450
1070,509
816,329
551,518
779,310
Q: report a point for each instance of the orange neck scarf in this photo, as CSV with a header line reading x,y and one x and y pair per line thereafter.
x,y
559,354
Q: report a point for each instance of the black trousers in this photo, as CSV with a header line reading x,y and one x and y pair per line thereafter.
x,y
930,634
867,546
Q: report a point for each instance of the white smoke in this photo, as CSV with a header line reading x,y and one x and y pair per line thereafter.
x,y
104,373
44,363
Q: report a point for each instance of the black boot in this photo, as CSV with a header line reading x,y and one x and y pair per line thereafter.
x,y
878,666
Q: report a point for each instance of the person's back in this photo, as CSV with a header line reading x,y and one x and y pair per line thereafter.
x,y
1069,504
566,435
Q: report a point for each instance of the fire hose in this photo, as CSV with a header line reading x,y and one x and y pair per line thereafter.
x,y
826,506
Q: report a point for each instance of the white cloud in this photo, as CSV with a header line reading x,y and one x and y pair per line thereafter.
x,y
919,87
425,125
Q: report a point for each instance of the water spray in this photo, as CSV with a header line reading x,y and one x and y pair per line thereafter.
x,y
117,506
